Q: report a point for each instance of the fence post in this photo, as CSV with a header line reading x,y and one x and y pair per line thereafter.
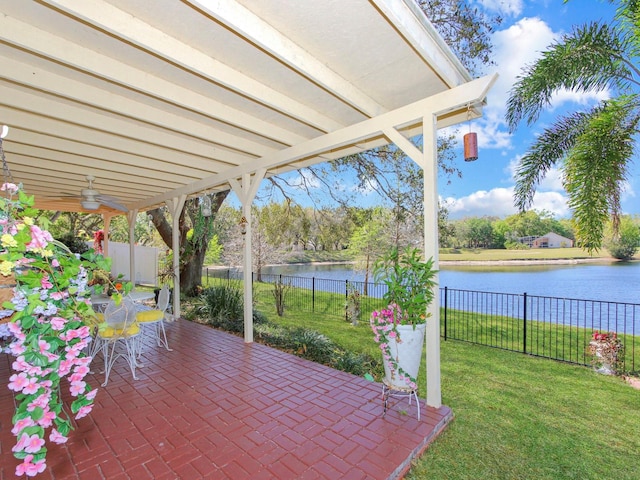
x,y
524,325
313,294
346,298
445,313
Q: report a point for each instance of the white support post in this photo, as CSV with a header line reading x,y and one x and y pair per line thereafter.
x,y
131,218
107,226
175,206
246,191
430,169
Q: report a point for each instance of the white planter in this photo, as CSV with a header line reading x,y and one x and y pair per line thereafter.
x,y
604,366
408,354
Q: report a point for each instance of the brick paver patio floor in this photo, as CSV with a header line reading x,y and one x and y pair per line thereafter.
x,y
217,408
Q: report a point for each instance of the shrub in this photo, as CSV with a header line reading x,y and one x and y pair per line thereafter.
x,y
516,246
316,347
73,243
223,307
357,364
280,291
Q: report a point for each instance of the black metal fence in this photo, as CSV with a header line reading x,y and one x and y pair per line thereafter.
x,y
550,327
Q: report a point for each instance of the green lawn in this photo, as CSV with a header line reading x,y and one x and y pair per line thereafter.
x,y
466,254
516,417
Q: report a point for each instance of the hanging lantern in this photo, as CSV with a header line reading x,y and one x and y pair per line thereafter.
x,y
470,147
205,206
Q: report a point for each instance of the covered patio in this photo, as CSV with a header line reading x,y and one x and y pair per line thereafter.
x,y
217,407
160,105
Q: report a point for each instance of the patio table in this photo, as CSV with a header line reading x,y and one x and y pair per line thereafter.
x,y
100,301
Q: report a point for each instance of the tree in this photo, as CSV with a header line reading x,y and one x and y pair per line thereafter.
x,y
370,241
396,178
624,244
195,233
465,28
593,148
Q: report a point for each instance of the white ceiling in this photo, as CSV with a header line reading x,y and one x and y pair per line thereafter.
x,y
156,98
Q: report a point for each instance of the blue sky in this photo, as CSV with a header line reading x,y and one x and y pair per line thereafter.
x,y
486,186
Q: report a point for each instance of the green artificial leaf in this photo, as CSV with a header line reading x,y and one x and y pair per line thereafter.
x,y
35,358
37,413
79,403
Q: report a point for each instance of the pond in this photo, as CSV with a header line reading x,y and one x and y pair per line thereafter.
x,y
616,282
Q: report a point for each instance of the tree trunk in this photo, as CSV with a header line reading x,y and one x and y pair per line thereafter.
x,y
190,263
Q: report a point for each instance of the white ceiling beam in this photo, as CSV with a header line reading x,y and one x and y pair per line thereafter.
x,y
84,141
86,94
118,126
409,20
133,30
251,27
78,57
56,166
44,146
442,103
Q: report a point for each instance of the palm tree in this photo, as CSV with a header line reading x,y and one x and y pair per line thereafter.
x,y
594,148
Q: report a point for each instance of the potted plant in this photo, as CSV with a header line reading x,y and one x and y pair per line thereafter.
x,y
399,329
607,352
47,314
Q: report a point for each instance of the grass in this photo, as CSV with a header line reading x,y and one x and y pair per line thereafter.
x,y
516,416
466,254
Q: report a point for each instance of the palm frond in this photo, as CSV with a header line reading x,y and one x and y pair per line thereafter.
x,y
597,166
549,148
591,58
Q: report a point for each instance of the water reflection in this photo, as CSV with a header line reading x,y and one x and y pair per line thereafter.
x,y
616,282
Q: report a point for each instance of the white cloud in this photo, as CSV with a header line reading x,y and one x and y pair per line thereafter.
x,y
516,47
303,180
498,202
503,7
554,202
551,182
495,202
519,45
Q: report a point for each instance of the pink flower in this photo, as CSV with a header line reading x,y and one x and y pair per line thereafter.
x,y
32,387
45,283
91,395
65,367
77,388
18,381
57,437
39,238
59,295
84,411
29,443
55,263
15,329
12,188
43,346
41,401
57,323
47,419
21,424
17,348
29,468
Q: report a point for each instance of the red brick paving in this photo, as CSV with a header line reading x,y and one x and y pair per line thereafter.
x,y
218,408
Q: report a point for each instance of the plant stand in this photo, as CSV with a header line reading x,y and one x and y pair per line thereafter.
x,y
389,390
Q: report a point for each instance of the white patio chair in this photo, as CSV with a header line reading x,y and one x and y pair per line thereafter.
x,y
152,320
119,336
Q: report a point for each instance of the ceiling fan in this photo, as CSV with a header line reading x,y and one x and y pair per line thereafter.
x,y
91,199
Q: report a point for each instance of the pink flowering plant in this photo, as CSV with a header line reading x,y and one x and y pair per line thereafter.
x,y
607,352
49,316
410,288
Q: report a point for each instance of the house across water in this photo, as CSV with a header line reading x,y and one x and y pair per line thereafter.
x,y
550,240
